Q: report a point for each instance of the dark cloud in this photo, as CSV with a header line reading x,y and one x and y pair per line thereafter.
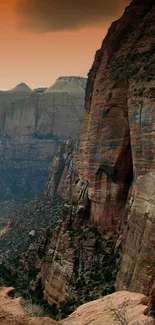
x,y
57,15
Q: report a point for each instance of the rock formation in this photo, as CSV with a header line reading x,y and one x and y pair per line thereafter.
x,y
116,153
119,308
71,85
11,311
21,88
114,187
32,125
122,307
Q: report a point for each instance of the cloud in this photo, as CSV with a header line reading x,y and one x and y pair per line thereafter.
x,y
58,15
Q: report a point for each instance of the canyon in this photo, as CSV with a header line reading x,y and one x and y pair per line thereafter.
x,y
105,241
32,125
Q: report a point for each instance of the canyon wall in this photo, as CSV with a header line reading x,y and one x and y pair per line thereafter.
x,y
108,181
115,162
117,143
32,125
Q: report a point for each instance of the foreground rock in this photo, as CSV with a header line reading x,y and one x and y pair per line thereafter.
x,y
120,308
11,311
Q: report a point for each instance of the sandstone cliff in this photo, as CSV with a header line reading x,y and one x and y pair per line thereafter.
x,y
32,125
117,143
114,188
116,156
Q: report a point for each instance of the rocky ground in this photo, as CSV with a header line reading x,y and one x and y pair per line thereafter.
x,y
120,308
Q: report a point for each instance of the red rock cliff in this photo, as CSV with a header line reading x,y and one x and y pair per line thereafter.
x,y
115,188
116,152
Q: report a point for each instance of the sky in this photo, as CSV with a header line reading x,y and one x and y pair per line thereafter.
x,y
42,40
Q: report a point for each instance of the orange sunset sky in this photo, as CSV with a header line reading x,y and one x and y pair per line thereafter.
x,y
38,57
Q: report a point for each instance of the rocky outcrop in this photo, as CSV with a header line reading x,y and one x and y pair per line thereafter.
x,y
32,125
121,307
11,311
63,174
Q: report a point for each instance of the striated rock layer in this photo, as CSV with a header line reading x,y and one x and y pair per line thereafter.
x,y
111,183
116,153
32,125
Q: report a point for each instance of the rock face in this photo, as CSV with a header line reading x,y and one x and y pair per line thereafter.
x,y
63,173
71,85
58,262
76,253
31,127
123,307
116,154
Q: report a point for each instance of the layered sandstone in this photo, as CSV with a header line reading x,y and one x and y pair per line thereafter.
x,y
32,125
116,154
63,174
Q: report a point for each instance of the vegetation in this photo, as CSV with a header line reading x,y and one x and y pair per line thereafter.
x,y
14,193
33,309
94,273
39,216
120,314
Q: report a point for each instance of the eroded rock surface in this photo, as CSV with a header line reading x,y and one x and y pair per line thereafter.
x,y
11,311
116,153
32,125
122,307
119,308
